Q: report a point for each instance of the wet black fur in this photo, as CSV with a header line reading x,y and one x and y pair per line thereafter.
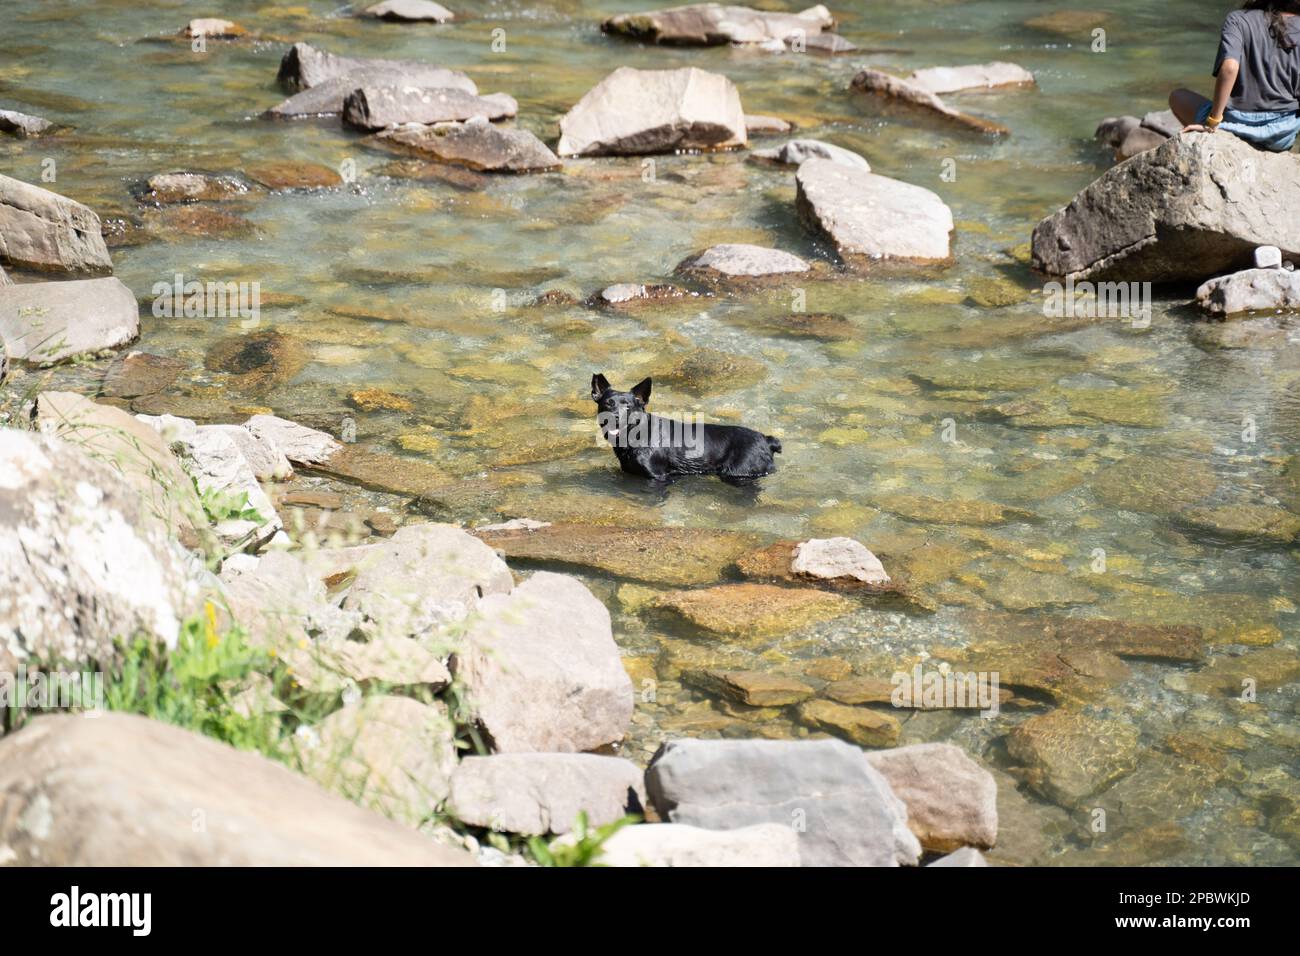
x,y
657,448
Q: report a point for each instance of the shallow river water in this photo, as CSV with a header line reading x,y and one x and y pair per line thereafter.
x,y
918,406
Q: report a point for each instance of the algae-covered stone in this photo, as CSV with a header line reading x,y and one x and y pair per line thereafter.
x,y
1243,522
1071,756
708,371
1019,589
952,511
1258,671
754,610
1154,484
859,725
672,556
755,688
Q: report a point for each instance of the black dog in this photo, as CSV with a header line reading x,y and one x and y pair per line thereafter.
x,y
663,448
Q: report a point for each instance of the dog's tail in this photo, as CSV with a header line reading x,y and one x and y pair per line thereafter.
x,y
774,444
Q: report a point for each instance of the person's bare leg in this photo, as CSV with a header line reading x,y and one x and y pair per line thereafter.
x,y
1186,105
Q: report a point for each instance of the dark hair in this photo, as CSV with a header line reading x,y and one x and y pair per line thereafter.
x,y
1277,23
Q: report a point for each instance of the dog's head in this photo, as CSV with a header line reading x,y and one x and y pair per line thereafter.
x,y
615,409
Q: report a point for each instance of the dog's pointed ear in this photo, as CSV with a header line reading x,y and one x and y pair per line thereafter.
x,y
642,391
599,385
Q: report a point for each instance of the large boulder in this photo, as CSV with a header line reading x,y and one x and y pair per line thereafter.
x,y
1251,290
476,144
896,91
654,111
424,578
122,790
48,322
323,81
378,107
537,793
676,844
542,671
133,449
869,217
841,807
46,232
710,24
951,800
392,754
1196,206
83,561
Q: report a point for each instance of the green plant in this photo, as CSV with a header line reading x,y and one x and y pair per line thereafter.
x,y
221,505
582,847
194,685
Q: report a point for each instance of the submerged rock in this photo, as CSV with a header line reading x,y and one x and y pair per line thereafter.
x,y
48,322
682,556
1252,290
951,800
293,175
409,11
710,24
983,76
752,688
754,611
534,794
1264,524
1070,756
850,816
378,107
133,786
796,151
192,187
654,111
257,360
740,261
860,725
676,844
896,90
45,232
542,671
1193,208
83,559
872,217
23,125
476,144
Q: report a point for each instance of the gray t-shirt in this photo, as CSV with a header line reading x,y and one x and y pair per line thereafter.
x,y
1269,81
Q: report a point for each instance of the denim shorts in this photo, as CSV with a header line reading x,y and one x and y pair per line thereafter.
x,y
1272,131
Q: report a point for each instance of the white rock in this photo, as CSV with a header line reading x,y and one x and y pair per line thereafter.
x,y
1268,257
966,856
797,150
542,671
1251,290
48,322
298,443
263,456
410,10
676,844
738,260
654,111
982,76
538,793
832,558
865,215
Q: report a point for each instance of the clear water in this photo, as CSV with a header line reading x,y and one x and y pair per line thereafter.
x,y
862,419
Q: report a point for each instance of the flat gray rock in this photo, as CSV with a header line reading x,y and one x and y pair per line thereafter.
x,y
329,95
710,24
912,96
23,125
122,790
304,66
980,76
654,111
411,11
378,107
534,794
796,151
841,807
1195,207
966,856
741,261
1252,290
48,322
46,232
866,216
298,443
542,671
475,144
951,800
676,844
